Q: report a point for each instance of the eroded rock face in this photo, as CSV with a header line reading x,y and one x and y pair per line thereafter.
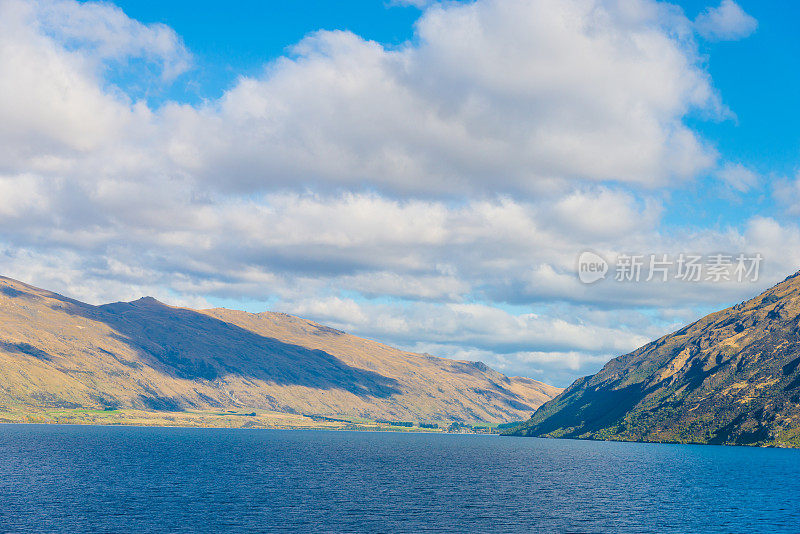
x,y
732,377
57,352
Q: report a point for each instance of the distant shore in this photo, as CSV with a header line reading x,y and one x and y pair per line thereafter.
x,y
225,419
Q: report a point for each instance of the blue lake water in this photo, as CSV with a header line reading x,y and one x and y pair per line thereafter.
x,y
128,479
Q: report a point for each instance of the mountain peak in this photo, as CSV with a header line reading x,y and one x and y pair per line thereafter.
x,y
148,301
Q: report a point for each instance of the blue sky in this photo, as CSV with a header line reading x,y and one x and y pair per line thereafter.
x,y
426,175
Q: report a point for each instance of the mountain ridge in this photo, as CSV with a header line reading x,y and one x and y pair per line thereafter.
x,y
731,377
57,352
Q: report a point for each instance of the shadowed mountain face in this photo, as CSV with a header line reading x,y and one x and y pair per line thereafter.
x,y
732,377
59,352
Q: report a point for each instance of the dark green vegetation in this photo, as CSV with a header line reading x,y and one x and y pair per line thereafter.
x,y
731,378
407,424
508,426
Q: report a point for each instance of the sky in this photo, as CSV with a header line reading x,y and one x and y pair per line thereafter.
x,y
428,174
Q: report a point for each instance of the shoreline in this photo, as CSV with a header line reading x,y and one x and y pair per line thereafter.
x,y
264,420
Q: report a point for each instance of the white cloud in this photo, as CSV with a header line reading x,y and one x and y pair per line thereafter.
x,y
604,213
726,22
22,196
738,177
424,287
104,32
787,193
559,368
52,101
783,240
474,331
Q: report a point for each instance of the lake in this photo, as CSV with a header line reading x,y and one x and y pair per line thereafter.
x,y
121,479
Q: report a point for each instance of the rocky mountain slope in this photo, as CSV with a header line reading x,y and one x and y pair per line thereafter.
x,y
732,377
57,352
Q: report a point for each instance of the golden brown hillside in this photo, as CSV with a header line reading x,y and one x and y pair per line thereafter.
x,y
59,353
732,377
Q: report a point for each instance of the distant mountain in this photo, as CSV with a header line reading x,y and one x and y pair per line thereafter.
x,y
732,377
59,353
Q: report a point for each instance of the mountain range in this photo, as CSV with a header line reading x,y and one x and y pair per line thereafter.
x,y
60,357
732,377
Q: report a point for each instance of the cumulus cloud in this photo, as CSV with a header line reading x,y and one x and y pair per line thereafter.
x,y
516,94
726,22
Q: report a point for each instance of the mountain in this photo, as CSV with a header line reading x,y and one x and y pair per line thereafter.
x,y
59,356
732,377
